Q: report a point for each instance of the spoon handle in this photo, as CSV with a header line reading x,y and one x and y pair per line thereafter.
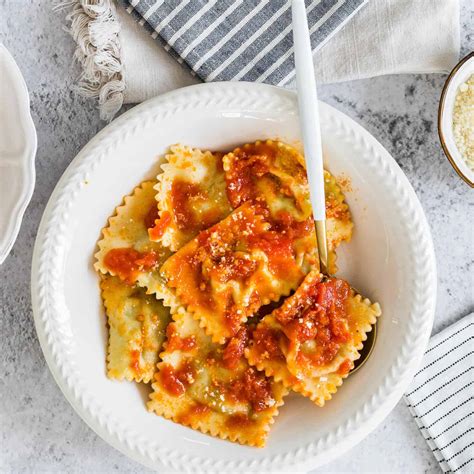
x,y
310,124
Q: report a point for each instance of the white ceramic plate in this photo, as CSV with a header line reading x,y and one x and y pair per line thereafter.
x,y
17,151
390,259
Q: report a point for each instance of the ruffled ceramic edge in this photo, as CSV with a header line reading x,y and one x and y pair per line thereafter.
x,y
27,168
55,336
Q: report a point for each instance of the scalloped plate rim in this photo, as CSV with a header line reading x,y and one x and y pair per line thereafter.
x,y
310,460
27,158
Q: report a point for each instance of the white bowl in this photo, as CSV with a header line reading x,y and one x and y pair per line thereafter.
x,y
461,73
17,151
390,259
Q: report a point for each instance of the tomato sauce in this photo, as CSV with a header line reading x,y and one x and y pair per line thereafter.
x,y
159,226
215,259
250,169
322,355
233,267
222,254
176,381
238,421
135,361
191,209
345,367
241,179
279,250
152,216
334,210
232,315
250,164
234,350
197,411
266,340
286,224
253,388
183,194
317,314
127,262
247,169
184,269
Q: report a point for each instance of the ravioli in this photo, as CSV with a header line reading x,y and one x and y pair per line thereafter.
x,y
311,341
194,267
191,196
229,271
270,172
211,388
137,328
125,249
273,174
339,223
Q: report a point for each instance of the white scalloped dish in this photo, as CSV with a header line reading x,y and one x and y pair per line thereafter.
x,y
390,259
17,151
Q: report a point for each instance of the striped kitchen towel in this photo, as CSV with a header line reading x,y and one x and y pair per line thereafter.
x,y
441,397
230,40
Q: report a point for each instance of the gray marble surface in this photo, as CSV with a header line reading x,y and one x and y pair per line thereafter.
x,y
39,431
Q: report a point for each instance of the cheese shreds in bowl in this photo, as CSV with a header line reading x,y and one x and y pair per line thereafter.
x,y
463,121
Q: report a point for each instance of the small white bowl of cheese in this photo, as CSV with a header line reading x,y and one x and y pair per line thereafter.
x,y
456,119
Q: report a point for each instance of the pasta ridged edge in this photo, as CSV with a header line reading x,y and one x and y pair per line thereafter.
x,y
284,374
208,428
110,221
168,239
110,375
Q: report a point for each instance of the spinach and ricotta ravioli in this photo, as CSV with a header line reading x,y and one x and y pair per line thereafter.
x,y
211,387
311,341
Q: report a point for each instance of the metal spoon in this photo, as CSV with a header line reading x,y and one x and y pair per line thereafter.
x,y
311,131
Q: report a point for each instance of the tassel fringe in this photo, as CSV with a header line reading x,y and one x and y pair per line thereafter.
x,y
95,28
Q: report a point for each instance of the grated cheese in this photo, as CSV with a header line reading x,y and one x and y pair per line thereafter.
x,y
463,121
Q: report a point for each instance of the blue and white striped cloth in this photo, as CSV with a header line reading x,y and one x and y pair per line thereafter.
x,y
441,397
247,40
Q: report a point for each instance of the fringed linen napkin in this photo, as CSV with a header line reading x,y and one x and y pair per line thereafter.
x,y
251,40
